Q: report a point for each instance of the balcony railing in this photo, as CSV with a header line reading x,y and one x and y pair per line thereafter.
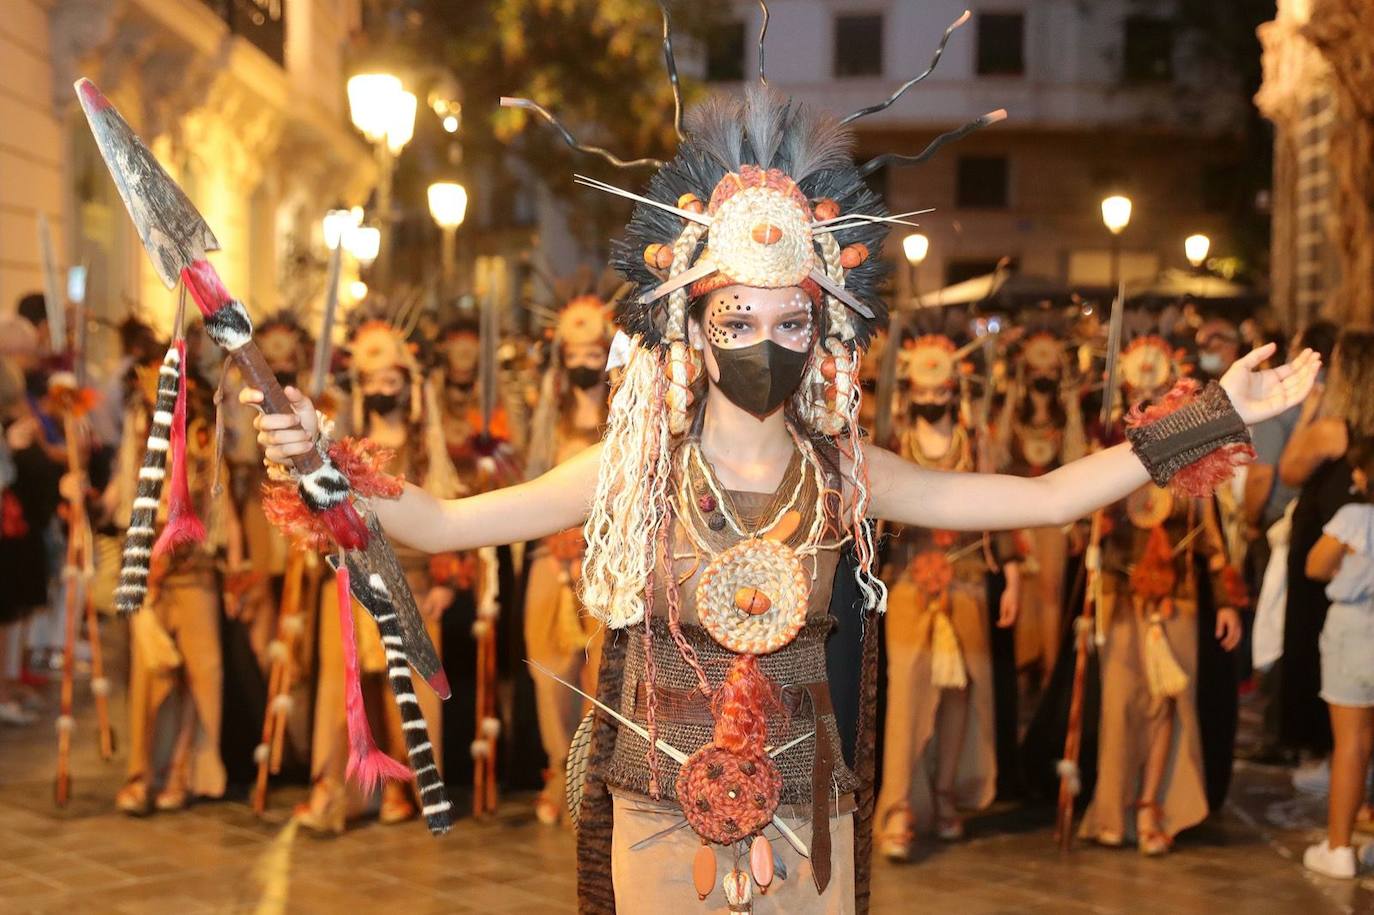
x,y
260,22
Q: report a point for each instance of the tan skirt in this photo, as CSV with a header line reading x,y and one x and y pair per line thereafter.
x,y
1129,715
657,877
913,702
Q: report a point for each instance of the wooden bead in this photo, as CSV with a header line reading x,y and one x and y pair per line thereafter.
x,y
787,526
767,234
704,871
752,601
659,256
761,861
825,208
692,204
828,368
853,255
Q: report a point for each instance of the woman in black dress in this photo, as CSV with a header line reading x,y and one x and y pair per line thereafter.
x,y
1314,459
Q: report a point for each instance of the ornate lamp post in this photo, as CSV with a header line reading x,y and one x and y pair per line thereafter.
x,y
915,246
448,204
1116,216
1195,248
384,112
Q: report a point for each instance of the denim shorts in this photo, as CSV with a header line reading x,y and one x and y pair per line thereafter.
x,y
1347,650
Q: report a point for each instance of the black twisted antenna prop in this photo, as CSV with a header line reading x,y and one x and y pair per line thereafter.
x,y
874,109
763,31
568,138
670,61
992,117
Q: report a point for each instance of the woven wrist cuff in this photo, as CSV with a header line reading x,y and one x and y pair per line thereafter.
x,y
1172,443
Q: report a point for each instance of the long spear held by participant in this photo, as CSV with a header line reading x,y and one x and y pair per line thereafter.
x,y
1069,782
330,508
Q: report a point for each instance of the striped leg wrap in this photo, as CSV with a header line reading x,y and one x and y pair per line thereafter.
x,y
433,794
138,540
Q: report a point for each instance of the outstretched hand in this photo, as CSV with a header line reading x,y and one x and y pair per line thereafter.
x,y
284,436
1259,395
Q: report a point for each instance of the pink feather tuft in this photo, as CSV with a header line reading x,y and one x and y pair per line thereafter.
x,y
368,766
183,526
345,525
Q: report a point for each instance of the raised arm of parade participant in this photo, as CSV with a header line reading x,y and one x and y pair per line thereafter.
x,y
554,502
908,494
900,491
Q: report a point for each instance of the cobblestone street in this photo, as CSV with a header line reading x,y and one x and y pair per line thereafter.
x,y
220,858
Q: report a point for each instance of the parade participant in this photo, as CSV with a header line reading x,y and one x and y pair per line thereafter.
x,y
1040,428
1150,617
939,754
731,474
175,652
392,408
559,634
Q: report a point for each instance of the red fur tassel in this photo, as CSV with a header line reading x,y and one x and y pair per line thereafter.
x,y
183,526
1202,477
358,459
368,766
742,704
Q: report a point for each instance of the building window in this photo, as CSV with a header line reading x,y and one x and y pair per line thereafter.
x,y
1001,44
1149,54
725,53
982,182
859,45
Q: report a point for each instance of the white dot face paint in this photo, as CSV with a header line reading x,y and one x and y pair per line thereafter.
x,y
740,316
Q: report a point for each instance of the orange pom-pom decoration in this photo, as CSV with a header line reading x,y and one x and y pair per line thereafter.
x,y
659,256
766,234
825,208
828,368
691,203
853,255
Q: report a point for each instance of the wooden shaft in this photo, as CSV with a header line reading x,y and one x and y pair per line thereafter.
x,y
268,724
1073,734
257,374
102,697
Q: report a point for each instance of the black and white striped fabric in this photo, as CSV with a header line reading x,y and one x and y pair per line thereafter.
x,y
434,803
142,533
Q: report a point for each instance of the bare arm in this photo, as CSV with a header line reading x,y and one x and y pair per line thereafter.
x,y
550,503
1309,448
907,494
1324,559
553,502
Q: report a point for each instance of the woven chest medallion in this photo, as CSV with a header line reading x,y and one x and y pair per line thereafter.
x,y
726,796
752,598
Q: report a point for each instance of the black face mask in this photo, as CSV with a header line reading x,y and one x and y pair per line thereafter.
x,y
285,378
930,412
759,378
381,404
585,377
1043,385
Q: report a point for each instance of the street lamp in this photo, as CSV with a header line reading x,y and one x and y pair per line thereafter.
x,y
915,246
448,204
384,112
1195,247
364,243
1116,215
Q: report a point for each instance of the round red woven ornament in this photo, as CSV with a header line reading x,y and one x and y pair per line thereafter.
x,y
727,797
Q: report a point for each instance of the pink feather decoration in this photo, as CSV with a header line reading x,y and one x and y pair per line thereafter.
x,y
183,526
368,766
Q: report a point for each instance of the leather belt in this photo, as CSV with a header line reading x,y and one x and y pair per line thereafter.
x,y
690,706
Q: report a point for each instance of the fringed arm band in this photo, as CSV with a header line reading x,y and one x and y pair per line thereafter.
x,y
1191,440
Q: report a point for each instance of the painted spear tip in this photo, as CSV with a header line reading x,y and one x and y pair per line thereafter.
x,y
92,99
968,14
992,117
439,683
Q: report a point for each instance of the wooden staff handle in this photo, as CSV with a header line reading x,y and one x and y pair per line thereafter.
x,y
257,374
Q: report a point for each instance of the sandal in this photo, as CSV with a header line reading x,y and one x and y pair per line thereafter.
x,y
397,806
948,828
133,799
1152,840
894,842
323,813
547,811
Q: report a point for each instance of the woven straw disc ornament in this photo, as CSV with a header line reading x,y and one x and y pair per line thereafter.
x,y
727,797
752,598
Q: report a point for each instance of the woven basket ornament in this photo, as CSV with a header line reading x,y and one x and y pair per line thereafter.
x,y
752,598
